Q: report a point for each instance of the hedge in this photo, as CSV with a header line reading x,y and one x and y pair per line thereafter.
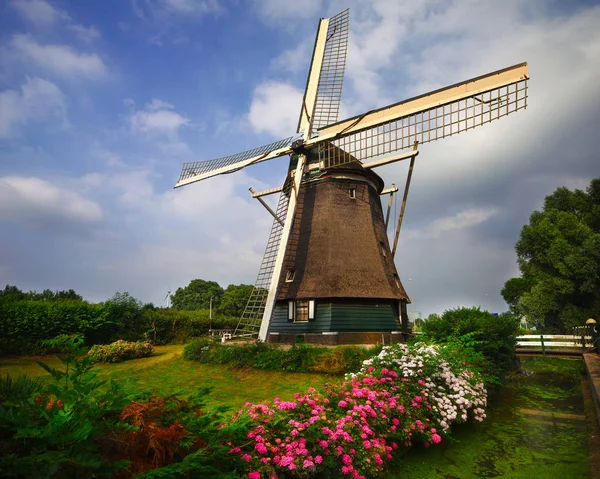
x,y
24,324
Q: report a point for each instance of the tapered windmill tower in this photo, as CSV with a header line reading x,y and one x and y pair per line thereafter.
x,y
328,266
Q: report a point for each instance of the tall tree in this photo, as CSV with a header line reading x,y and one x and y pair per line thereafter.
x,y
559,258
197,294
235,298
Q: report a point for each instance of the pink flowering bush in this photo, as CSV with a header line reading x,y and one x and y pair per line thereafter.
x,y
405,395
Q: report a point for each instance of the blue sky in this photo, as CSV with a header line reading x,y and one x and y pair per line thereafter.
x,y
101,102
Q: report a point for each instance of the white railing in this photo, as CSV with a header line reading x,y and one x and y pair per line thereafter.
x,y
544,341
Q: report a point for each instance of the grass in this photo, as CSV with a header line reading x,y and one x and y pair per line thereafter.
x,y
169,373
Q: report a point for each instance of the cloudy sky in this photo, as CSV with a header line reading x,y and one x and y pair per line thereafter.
x,y
100,102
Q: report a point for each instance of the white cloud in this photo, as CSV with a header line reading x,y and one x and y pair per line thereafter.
x,y
158,117
60,59
278,10
39,12
86,34
37,100
275,109
462,220
196,7
38,201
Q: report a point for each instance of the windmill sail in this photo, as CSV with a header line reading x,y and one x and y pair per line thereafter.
x,y
331,79
428,117
200,170
321,102
251,319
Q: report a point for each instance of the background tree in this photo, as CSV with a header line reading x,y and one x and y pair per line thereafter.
x,y
196,295
558,254
234,299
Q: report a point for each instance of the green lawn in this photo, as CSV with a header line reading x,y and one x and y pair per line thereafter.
x,y
168,372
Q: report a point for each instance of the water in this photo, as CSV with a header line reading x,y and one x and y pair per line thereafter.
x,y
535,428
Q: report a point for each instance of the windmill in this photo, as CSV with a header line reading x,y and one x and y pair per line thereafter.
x,y
328,266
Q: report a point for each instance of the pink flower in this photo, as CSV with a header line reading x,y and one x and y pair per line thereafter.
x,y
342,404
254,475
367,445
260,447
323,444
318,459
246,457
436,438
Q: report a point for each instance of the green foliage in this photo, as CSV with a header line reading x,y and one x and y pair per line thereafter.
x,y
197,294
234,299
163,326
492,336
298,358
559,258
27,323
119,351
193,350
18,388
57,433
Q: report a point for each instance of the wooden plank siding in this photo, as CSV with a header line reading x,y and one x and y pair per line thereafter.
x,y
340,315
364,316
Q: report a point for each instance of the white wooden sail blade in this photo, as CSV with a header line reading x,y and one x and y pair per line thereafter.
x,y
312,82
200,170
331,79
425,118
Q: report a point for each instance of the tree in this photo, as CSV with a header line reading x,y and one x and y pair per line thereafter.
x,y
197,294
558,254
12,293
234,299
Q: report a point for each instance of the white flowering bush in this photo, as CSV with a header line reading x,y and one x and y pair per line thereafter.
x,y
120,351
453,389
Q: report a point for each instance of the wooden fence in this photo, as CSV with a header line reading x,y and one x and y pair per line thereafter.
x,y
551,342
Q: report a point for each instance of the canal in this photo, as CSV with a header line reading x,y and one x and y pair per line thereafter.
x,y
535,428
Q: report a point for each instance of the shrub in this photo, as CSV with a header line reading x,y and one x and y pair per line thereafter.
x,y
119,351
404,396
340,360
298,358
193,350
493,336
163,326
19,388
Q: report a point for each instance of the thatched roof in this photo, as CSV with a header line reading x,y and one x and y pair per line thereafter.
x,y
338,246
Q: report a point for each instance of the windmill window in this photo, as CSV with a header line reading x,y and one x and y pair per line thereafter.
x,y
382,248
290,310
397,280
301,311
352,193
290,275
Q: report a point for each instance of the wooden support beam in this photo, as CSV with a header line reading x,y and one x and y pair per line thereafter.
x,y
266,192
401,217
393,190
391,159
273,214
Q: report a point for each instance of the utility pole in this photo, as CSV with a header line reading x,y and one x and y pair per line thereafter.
x,y
210,316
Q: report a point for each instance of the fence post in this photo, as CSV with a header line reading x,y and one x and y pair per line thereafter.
x,y
543,347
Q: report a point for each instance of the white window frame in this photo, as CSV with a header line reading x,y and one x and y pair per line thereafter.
x,y
352,193
292,310
290,275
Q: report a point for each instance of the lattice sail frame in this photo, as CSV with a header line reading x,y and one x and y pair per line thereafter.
x,y
331,79
424,126
197,168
